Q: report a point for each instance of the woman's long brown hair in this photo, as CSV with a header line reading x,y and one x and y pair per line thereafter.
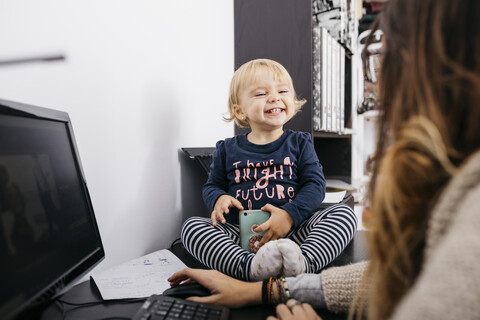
x,y
429,95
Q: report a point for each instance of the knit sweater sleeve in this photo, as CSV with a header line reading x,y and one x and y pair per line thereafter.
x,y
340,285
333,289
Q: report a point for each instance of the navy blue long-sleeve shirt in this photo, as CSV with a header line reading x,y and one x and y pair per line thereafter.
x,y
285,173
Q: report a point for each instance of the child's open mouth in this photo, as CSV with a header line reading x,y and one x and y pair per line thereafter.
x,y
275,110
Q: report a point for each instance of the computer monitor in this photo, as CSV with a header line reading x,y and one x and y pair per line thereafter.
x,y
48,233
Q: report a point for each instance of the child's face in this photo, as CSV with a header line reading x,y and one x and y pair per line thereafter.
x,y
266,103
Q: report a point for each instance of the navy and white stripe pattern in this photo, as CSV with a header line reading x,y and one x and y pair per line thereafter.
x,y
321,238
217,247
325,235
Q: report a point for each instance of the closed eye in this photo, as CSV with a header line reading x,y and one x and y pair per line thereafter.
x,y
283,91
259,94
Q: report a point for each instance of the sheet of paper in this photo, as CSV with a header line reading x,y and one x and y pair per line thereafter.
x,y
139,278
334,197
339,184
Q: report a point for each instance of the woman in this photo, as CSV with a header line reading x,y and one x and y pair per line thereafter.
x,y
424,241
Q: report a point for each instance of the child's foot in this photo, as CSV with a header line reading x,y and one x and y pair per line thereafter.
x,y
292,257
267,262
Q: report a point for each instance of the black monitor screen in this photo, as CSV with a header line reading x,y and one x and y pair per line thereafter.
x,y
48,232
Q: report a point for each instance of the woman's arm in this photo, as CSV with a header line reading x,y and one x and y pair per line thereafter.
x,y
338,285
233,293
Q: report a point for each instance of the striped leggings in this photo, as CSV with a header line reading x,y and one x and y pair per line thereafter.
x,y
321,238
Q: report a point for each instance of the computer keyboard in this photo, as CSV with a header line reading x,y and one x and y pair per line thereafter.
x,y
158,307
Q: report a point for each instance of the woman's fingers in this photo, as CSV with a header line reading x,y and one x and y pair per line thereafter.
x,y
294,309
178,277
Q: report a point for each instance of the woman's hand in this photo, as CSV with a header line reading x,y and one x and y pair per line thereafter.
x,y
225,291
278,225
295,310
222,205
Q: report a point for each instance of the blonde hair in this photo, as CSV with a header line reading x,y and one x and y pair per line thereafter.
x,y
245,73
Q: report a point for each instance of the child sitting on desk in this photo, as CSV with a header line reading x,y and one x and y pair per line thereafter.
x,y
274,170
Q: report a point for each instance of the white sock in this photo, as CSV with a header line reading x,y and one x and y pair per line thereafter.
x,y
267,262
292,258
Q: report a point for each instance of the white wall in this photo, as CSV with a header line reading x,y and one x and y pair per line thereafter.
x,y
142,79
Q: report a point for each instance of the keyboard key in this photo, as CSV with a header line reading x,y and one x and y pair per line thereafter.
x,y
158,307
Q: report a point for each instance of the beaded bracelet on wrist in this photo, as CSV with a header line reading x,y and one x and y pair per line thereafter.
x,y
279,296
268,295
269,291
264,292
285,289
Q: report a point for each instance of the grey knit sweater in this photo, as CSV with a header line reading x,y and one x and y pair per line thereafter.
x,y
448,286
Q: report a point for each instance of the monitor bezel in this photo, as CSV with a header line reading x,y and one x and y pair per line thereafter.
x,y
67,279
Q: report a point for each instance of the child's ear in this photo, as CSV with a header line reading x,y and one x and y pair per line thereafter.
x,y
238,112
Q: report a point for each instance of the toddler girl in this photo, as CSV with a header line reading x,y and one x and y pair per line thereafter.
x,y
274,170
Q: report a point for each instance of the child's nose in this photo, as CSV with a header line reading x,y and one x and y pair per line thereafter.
x,y
274,97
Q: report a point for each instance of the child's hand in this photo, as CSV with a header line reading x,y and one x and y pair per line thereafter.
x,y
221,206
278,225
